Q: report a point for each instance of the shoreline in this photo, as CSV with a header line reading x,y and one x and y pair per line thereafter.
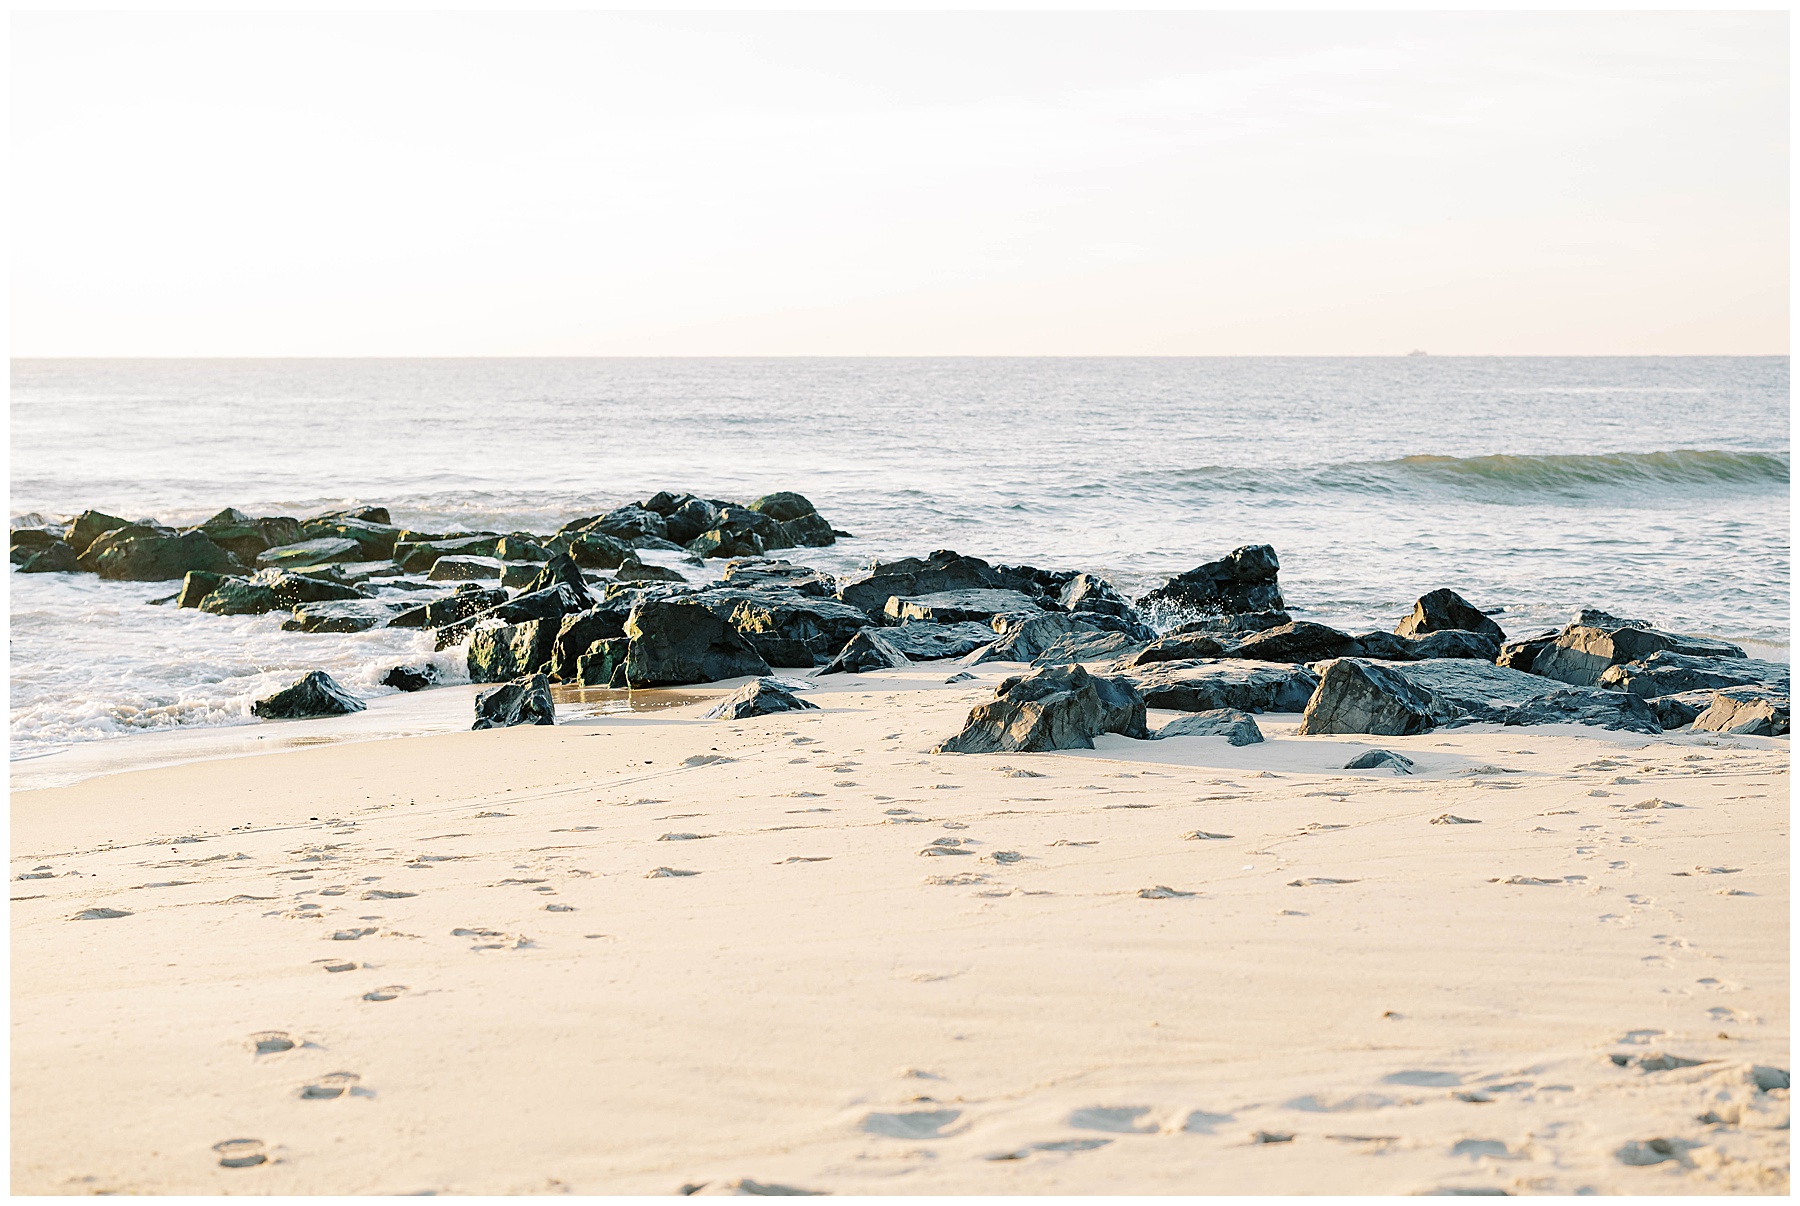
x,y
883,1022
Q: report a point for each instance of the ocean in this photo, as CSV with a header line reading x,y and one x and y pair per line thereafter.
x,y
1655,488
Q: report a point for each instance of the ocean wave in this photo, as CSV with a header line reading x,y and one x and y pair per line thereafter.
x,y
1501,475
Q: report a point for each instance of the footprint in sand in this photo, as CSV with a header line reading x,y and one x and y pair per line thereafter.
x,y
1654,1151
1451,818
1423,1078
492,940
914,1124
1257,1137
1200,835
1055,1145
98,914
559,908
353,935
241,1153
801,858
1319,881
1313,1104
387,993
1122,1120
668,873
271,1042
332,1086
1202,1122
337,965
1161,892
684,837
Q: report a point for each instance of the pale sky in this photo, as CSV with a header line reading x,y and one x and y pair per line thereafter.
x,y
260,184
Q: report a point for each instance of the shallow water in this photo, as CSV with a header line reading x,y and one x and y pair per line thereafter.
x,y
1650,487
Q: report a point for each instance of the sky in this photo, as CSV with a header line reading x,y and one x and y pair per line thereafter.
x,y
486,184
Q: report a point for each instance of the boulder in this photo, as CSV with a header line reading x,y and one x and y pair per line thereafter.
x,y
516,575
238,534
89,526
28,542
576,635
418,556
1522,654
1299,641
759,698
637,571
366,514
375,540
1582,653
909,576
595,550
819,626
868,650
551,603
677,641
292,590
603,665
629,523
1232,628
411,678
1666,672
954,606
1747,710
923,642
1449,642
1238,728
1443,610
690,518
1060,708
320,551
755,572
318,694
1183,648
522,701
350,615
1681,709
195,586
1582,705
521,547
239,597
1023,638
784,505
1088,646
722,542
160,558
1085,592
562,570
1203,686
1243,581
458,568
1356,695
808,531
54,558
466,601
1400,764
502,652
89,558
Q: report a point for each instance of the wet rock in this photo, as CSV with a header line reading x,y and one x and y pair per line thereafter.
x,y
776,616
318,694
576,635
909,576
458,568
1356,695
595,550
1299,641
89,558
1400,764
519,546
1581,705
467,601
954,606
603,665
28,542
89,526
1059,708
54,558
551,603
517,575
320,551
1681,709
351,615
629,523
868,650
378,515
418,556
1247,686
1522,654
504,652
759,698
1666,672
1088,646
1243,581
238,597
783,506
562,570
1748,710
721,542
1230,629
677,641
1024,639
757,572
411,678
195,586
160,558
690,518
1445,610
524,700
1085,592
242,536
637,571
1581,654
375,541
924,642
1183,648
808,531
1456,642
1238,728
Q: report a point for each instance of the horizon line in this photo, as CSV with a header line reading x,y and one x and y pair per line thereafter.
x,y
1418,355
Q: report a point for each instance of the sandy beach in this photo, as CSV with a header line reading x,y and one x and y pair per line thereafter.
x,y
653,953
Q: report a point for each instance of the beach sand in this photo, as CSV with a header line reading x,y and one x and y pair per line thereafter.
x,y
640,953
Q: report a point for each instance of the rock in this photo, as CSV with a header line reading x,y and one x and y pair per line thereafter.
x,y
924,642
1245,580
1085,592
1400,764
1238,728
1206,686
1681,709
375,540
1666,672
522,701
1456,642
551,603
1747,710
270,590
239,597
808,531
320,551
1060,708
366,514
1581,654
1522,654
89,558
318,694
520,547
1583,705
756,572
503,652
1299,641
1023,639
576,635
1087,646
783,506
690,518
467,601
1356,695
411,678
417,557
678,641
1593,617
718,542
562,570
910,576
351,615
603,665
160,558
820,627
868,650
1232,628
629,523
28,542
54,558
1443,610
516,575
596,550
954,606
89,526
759,698
457,568
637,571
195,586
1183,648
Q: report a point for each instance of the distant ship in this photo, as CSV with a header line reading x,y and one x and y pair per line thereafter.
x,y
1418,352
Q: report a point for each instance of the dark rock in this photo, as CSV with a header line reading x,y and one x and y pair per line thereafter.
x,y
28,542
500,653
239,597
1593,617
692,517
665,503
1681,709
868,650
520,547
637,571
1668,673
351,615
1084,592
1400,764
318,694
1238,728
1387,647
1245,685
89,559
759,698
1232,628
417,557
1060,708
822,626
522,701
1299,641
55,558
277,530
1245,580
1088,646
1748,710
1581,654
1025,639
365,514
1582,705
595,550
719,542
808,531
196,586
551,603
678,641
628,523
1522,654
784,505
603,665
465,569
319,551
238,534
1457,642
160,558
411,678
562,570
1442,610
1397,698
89,526
577,634
923,642
517,575
953,606
292,590
467,601
374,540
943,570
761,572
